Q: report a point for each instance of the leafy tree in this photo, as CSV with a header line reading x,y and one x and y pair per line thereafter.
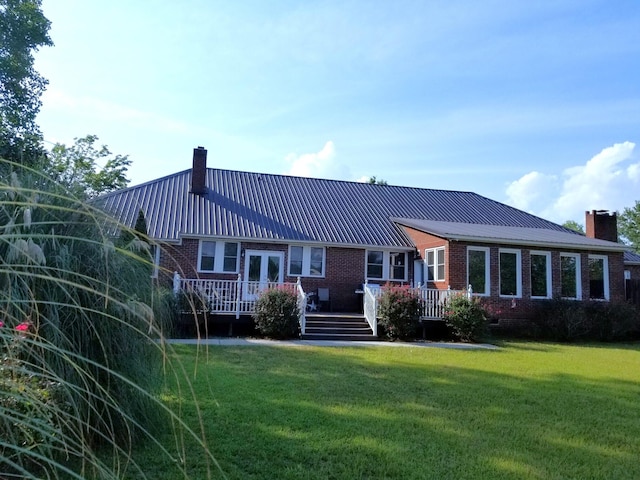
x,y
629,225
374,181
573,225
78,167
23,29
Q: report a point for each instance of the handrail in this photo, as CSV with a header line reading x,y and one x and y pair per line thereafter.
x,y
370,306
302,307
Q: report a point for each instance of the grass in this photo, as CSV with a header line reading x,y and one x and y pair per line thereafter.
x,y
527,411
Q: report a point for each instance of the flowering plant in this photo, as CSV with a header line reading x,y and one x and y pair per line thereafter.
x,y
399,311
24,392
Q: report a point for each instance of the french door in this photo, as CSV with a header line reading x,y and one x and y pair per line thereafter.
x,y
261,268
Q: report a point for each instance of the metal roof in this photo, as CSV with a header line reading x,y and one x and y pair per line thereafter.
x,y
631,258
508,235
268,207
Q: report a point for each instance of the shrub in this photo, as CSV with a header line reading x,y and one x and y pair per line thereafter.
x,y
569,320
466,317
277,314
399,312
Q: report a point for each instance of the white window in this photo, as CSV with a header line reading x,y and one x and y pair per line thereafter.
x,y
434,260
598,277
397,266
510,266
218,257
386,265
570,284
478,270
540,274
305,261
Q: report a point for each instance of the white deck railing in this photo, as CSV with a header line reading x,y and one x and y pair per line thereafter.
x,y
233,297
433,302
238,297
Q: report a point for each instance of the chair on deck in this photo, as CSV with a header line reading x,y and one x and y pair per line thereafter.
x,y
324,300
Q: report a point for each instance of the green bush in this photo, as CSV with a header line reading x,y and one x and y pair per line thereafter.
x,y
399,312
277,314
466,317
569,320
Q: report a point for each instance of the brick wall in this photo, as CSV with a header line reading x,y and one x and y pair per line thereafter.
x,y
344,272
424,241
634,271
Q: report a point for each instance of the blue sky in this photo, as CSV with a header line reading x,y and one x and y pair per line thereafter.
x,y
534,104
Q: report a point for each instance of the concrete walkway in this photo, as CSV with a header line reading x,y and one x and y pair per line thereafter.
x,y
226,341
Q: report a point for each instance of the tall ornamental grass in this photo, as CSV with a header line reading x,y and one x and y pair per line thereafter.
x,y
81,326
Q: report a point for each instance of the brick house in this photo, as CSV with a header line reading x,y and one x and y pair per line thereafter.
x,y
241,226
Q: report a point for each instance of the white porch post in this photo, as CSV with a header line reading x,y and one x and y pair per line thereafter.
x,y
238,295
176,283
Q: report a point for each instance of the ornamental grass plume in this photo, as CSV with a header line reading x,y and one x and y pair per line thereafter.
x,y
82,351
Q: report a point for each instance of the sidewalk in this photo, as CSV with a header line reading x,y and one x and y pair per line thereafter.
x,y
226,341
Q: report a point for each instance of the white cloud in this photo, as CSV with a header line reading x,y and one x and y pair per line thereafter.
x,y
322,164
606,181
530,190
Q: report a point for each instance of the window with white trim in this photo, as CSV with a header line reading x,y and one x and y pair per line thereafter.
x,y
510,269
218,256
478,270
540,274
386,265
570,284
598,277
306,261
397,265
434,259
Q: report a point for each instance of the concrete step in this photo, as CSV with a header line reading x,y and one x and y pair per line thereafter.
x,y
346,338
348,327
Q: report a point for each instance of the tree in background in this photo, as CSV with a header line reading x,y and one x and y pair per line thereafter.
x,y
374,181
629,225
573,225
23,29
87,170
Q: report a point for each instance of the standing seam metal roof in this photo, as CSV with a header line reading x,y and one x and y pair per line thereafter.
x,y
300,209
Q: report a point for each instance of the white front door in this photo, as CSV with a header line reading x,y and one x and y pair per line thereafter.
x,y
261,268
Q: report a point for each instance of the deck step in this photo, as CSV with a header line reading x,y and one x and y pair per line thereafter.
x,y
346,327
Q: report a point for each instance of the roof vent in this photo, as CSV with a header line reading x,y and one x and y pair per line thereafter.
x,y
199,171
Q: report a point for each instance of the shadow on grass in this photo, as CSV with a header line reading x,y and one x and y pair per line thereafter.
x,y
383,413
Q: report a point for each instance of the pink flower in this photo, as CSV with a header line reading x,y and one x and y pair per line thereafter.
x,y
1,324
23,327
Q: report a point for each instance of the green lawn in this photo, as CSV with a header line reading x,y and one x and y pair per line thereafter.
x,y
529,410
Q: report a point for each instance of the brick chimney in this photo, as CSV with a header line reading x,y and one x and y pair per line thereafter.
x,y
602,225
199,171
